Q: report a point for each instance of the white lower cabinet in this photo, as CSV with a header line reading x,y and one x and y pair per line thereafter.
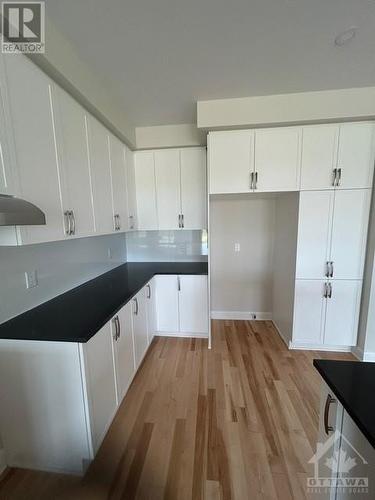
x,y
151,309
140,332
326,313
181,305
340,443
123,350
101,383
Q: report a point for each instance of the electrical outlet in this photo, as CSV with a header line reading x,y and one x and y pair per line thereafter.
x,y
31,278
237,247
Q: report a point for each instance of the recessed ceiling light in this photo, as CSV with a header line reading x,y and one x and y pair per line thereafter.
x,y
345,36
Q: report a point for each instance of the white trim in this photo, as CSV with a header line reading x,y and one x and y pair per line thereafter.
x,y
282,336
369,356
241,315
182,335
357,352
3,464
319,347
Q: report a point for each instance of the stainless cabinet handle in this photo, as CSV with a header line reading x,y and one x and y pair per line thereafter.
x,y
68,223
116,323
149,292
182,221
331,269
119,327
256,181
73,222
178,284
329,290
131,221
328,428
136,306
327,269
115,220
325,291
252,180
179,221
334,180
338,183
119,221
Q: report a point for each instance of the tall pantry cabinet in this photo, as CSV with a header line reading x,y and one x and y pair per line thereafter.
x,y
331,166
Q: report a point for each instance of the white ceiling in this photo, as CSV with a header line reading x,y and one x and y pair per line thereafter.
x,y
160,56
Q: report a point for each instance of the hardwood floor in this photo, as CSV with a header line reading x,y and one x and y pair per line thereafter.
x,y
237,422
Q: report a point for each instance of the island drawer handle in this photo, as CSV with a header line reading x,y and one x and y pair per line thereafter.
x,y
329,401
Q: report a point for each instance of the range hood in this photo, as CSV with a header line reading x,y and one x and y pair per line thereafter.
x,y
17,212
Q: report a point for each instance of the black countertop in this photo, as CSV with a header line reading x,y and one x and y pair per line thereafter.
x,y
353,383
75,316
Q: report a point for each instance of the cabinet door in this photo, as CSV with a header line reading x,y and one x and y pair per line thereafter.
x,y
131,190
145,188
101,176
74,162
342,313
140,326
349,232
319,156
314,233
100,377
123,349
309,311
32,121
166,299
231,161
151,309
167,176
193,304
193,188
321,469
277,159
118,176
354,445
356,155
7,167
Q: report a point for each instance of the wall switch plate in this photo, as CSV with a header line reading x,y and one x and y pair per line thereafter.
x,y
31,278
237,247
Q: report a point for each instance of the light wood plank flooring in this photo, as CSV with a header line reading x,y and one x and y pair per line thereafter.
x,y
237,422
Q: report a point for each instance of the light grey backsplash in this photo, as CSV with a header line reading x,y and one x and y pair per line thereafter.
x,y
60,265
161,246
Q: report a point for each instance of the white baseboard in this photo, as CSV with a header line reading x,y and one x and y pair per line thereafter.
x,y
319,347
369,356
241,315
182,335
3,464
283,338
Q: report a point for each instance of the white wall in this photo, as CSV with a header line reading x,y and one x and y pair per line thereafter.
x,y
242,282
284,263
303,107
168,136
61,265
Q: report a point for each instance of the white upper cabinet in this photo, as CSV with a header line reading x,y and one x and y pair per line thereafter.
x,y
349,233
74,165
32,120
319,156
342,312
338,156
356,155
231,161
167,175
314,234
100,176
193,188
277,159
131,190
193,304
119,189
145,189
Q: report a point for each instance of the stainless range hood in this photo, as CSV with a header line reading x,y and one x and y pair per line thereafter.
x,y
17,212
